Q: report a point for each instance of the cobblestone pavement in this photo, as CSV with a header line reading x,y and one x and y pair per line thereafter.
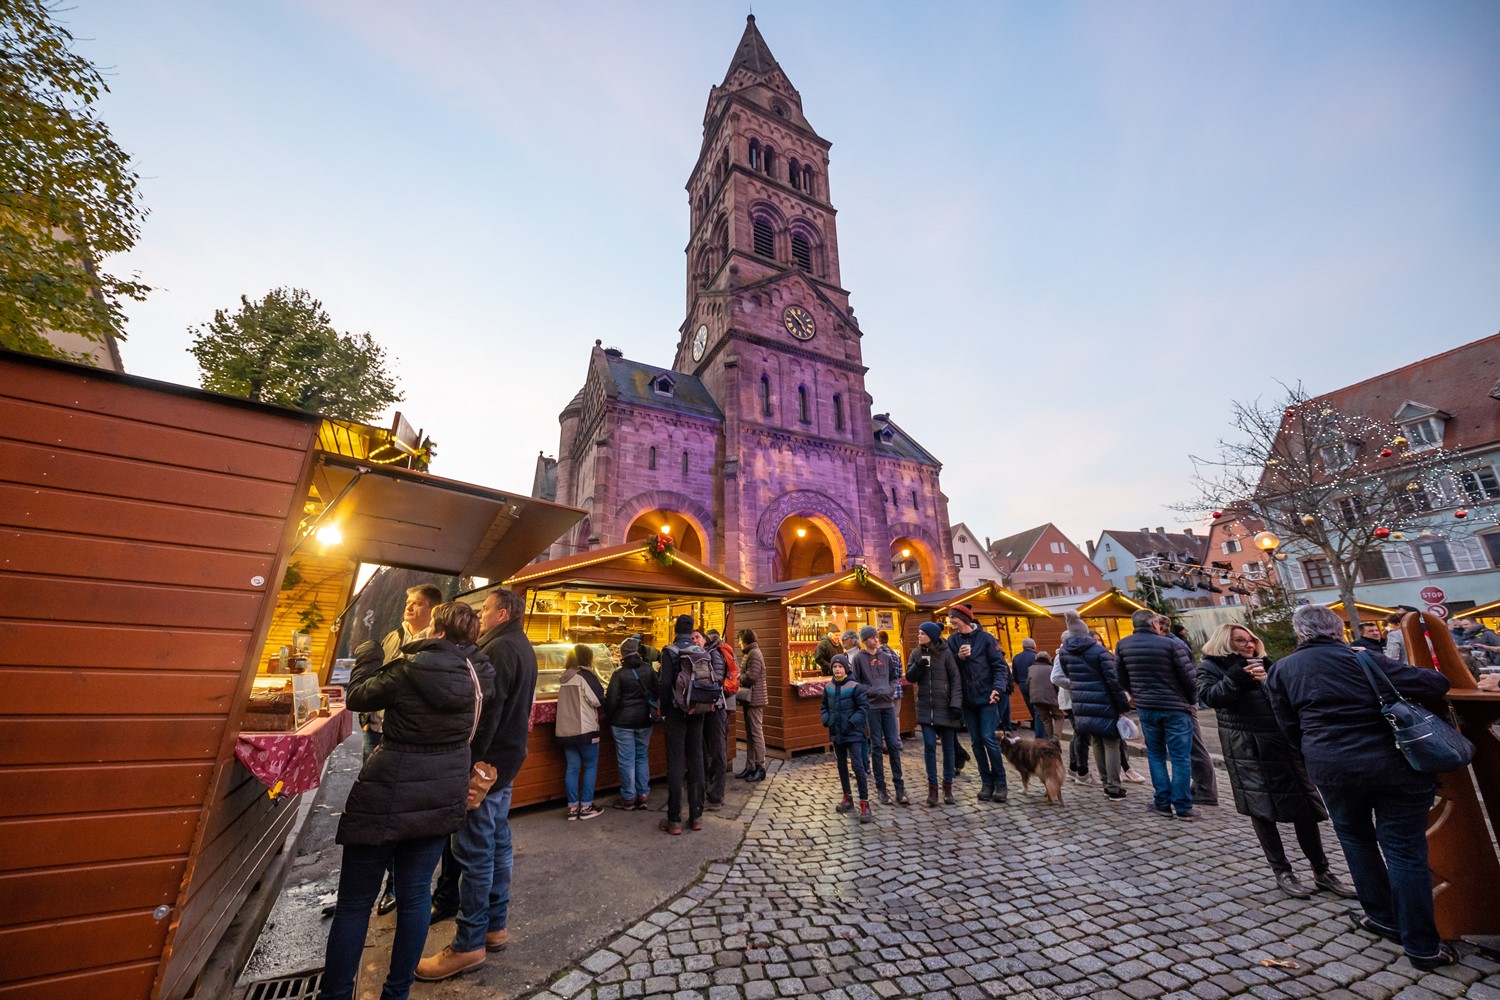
x,y
1097,899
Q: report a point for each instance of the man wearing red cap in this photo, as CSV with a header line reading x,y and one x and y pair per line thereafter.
x,y
985,678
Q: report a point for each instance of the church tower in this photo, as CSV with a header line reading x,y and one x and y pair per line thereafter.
x,y
757,449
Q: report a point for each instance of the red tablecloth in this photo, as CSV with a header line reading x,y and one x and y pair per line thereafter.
x,y
292,763
542,713
811,689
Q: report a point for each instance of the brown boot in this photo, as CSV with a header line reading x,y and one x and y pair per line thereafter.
x,y
931,795
448,963
496,940
947,795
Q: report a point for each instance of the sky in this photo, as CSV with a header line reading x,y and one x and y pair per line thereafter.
x,y
1073,232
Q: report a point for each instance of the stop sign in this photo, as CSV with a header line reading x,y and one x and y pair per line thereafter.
x,y
1440,610
1432,595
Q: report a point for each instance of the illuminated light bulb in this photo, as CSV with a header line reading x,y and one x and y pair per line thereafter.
x,y
906,553
666,529
330,534
801,532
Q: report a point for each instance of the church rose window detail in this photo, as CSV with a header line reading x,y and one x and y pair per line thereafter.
x,y
801,251
765,240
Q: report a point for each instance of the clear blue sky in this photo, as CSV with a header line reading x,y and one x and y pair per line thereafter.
x,y
1072,231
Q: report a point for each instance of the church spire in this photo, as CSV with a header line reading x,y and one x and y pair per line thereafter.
x,y
752,53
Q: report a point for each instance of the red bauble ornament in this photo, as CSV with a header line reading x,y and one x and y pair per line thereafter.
x,y
1460,513
1218,514
1382,533
1386,453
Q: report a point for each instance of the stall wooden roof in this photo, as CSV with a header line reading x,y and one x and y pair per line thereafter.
x,y
987,598
397,517
1337,607
628,567
1113,603
1487,610
840,588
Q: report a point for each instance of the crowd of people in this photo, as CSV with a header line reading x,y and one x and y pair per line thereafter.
x,y
449,695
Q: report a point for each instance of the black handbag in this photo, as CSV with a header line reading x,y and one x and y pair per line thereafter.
x,y
1429,744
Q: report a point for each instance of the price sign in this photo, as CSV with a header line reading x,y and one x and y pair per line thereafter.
x,y
1432,595
1441,610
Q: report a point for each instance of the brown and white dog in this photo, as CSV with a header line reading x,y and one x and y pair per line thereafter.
x,y
1041,759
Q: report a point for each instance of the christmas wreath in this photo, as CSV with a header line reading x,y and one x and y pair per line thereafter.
x,y
660,548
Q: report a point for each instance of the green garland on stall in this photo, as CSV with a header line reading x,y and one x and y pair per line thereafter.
x,y
660,548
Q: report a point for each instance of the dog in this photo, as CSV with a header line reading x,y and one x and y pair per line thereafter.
x,y
1040,759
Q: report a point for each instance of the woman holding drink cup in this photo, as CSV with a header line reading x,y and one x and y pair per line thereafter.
x,y
1265,770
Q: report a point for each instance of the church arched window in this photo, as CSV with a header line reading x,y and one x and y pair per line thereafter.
x,y
684,462
794,172
801,251
764,237
765,395
651,458
754,154
768,154
802,409
807,180
838,412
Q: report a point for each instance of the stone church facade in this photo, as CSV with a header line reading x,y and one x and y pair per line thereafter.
x,y
757,450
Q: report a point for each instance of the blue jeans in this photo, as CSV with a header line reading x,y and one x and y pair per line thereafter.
x,y
1004,707
930,737
1169,738
482,849
885,740
852,755
585,758
981,721
633,752
359,884
1388,857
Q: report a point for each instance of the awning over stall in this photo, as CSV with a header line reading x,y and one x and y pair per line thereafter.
x,y
396,517
628,566
988,598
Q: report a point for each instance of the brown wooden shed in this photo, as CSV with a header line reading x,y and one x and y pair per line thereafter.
x,y
1109,613
146,529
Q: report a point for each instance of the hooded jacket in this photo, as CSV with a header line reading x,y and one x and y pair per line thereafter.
x,y
416,782
579,696
940,686
984,671
631,689
845,710
880,674
1094,683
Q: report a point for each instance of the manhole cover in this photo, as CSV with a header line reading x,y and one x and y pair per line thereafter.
x,y
300,987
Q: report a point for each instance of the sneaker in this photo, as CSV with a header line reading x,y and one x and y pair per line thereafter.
x,y
1115,793
864,813
885,797
695,822
1190,816
1083,779
901,799
589,811
1134,776
572,813
1166,811
623,804
1445,956
641,804
1364,923
670,826
844,806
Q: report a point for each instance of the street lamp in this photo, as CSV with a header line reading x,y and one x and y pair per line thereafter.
x,y
1268,543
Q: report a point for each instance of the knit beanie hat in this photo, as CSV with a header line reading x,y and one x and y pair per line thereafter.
x,y
840,659
962,612
630,647
850,637
867,633
932,630
684,624
1073,624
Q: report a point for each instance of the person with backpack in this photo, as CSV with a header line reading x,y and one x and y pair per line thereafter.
x,y
578,699
752,698
845,709
630,706
878,671
716,724
683,693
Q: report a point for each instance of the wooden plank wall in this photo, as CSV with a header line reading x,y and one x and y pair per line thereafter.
x,y
132,521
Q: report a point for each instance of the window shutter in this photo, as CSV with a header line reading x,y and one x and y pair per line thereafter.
x,y
1294,571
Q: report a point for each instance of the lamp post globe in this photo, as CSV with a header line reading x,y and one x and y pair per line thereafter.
x,y
1267,541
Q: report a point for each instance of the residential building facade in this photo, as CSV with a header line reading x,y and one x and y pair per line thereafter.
x,y
1042,564
1171,563
971,558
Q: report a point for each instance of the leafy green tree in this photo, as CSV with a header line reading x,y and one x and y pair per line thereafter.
x,y
283,349
67,193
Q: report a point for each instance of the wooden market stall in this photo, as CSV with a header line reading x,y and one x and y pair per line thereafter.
x,y
601,597
148,530
1367,612
789,625
1007,616
1109,613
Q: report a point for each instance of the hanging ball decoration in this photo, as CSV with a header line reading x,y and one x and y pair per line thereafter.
x,y
1273,461
1396,536
1413,486
1386,453
1218,514
1308,519
1425,533
1460,513
1382,533
1399,441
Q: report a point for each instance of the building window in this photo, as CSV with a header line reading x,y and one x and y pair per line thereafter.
x,y
1423,435
958,560
838,412
651,458
801,251
802,413
1230,546
769,155
754,154
684,463
973,562
807,180
1336,456
794,173
764,237
1479,485
1436,558
1110,564
1372,567
1403,564
1492,545
765,395
913,499
895,499
1351,510
1414,498
1319,574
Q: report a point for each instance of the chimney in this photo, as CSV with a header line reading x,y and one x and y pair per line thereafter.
x,y
1160,530
1188,532
1090,546
1145,531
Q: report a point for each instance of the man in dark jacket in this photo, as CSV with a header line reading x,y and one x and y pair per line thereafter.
x,y
684,736
878,669
1158,672
985,680
1205,781
1370,638
478,881
1326,706
1020,669
715,729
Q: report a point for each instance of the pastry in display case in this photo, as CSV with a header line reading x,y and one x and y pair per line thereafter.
x,y
551,658
282,703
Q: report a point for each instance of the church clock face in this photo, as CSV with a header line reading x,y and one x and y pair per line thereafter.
x,y
700,342
799,322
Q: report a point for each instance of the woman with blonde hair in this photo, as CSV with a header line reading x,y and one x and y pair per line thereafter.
x,y
1266,771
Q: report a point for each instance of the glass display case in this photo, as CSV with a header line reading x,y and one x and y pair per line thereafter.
x,y
807,626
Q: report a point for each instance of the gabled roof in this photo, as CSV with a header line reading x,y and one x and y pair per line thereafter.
x,y
684,575
797,592
1150,543
901,444
986,594
1010,550
632,382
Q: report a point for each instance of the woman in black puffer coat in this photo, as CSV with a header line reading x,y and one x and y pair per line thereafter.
x,y
411,793
1265,770
940,705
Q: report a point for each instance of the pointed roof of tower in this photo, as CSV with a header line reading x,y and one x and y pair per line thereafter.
x,y
752,53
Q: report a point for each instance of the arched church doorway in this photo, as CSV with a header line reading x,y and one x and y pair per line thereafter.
x,y
807,546
912,560
686,535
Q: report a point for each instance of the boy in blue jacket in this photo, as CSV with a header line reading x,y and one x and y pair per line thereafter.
x,y
845,710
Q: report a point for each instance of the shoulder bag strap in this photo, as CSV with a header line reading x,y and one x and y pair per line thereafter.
x,y
478,699
1367,664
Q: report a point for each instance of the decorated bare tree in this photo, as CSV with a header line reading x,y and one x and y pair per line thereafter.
x,y
1336,485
